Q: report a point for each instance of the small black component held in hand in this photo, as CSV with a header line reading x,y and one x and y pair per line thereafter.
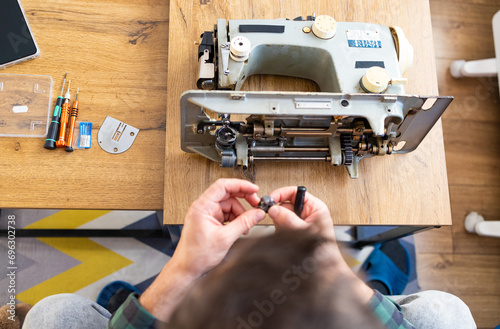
x,y
299,200
266,202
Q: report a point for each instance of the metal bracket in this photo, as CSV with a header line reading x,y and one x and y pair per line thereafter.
x,y
225,52
115,136
335,150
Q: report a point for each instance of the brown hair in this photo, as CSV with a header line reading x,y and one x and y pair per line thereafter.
x,y
278,281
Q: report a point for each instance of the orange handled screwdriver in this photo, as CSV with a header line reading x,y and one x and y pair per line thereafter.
x,y
72,123
61,142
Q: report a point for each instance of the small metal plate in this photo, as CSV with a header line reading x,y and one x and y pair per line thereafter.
x,y
115,136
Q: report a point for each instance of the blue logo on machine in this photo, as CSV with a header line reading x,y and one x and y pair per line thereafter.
x,y
363,39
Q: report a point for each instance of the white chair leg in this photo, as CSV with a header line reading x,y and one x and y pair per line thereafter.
x,y
479,68
475,223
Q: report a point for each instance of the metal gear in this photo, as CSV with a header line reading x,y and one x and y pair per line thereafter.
x,y
266,202
346,146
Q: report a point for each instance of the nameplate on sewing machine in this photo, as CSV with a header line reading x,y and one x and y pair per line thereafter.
x,y
313,105
363,39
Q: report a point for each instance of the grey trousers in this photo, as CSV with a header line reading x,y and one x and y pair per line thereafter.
x,y
432,309
425,310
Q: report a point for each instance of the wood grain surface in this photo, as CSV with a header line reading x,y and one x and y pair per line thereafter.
x,y
393,190
450,259
116,53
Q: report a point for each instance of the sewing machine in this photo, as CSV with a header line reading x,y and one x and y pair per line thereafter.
x,y
361,111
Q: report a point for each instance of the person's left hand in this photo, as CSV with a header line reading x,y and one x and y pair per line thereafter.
x,y
214,222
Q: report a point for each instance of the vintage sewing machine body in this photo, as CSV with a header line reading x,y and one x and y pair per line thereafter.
x,y
361,111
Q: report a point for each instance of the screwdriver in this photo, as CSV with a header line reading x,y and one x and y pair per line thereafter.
x,y
61,142
72,123
50,141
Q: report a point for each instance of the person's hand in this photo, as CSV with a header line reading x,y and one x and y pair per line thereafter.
x,y
206,238
315,213
316,216
211,226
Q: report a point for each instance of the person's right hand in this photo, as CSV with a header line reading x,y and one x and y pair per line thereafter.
x,y
315,213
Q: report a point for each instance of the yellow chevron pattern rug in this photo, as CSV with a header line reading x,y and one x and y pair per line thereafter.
x,y
48,266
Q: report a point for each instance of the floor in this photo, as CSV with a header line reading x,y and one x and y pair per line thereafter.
x,y
450,259
47,266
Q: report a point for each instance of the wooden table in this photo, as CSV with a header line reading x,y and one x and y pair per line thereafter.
x,y
407,189
116,53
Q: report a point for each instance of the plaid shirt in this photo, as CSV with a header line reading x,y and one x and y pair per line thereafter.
x,y
131,315
389,312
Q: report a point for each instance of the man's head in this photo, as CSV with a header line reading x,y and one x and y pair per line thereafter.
x,y
287,280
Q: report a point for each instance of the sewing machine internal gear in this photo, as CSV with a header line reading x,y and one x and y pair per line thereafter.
x,y
361,111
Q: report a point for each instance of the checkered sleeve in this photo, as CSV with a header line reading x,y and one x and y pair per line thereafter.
x,y
389,312
131,315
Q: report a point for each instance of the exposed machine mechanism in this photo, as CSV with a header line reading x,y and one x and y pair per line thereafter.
x,y
361,111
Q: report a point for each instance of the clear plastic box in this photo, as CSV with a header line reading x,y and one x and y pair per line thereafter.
x,y
25,105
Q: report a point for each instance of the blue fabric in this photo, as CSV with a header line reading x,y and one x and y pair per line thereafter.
x,y
379,267
110,289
